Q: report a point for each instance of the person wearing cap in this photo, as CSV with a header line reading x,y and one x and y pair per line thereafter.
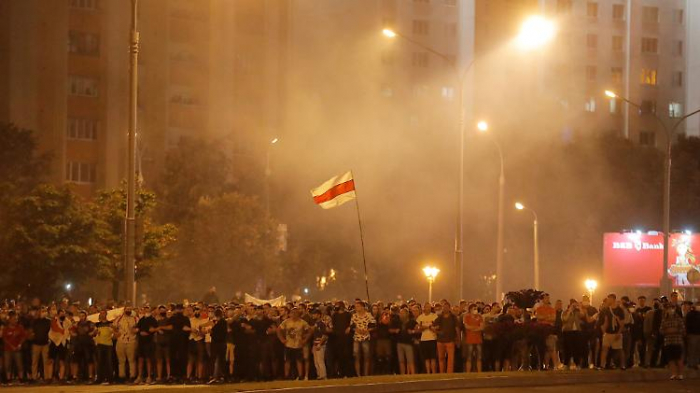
x,y
196,349
340,343
161,339
147,326
104,348
319,339
83,346
179,340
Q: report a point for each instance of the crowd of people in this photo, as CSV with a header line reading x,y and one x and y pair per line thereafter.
x,y
207,342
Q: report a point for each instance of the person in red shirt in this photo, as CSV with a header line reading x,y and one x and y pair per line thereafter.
x,y
546,315
474,324
13,335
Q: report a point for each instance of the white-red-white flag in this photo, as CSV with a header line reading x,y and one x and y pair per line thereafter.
x,y
335,191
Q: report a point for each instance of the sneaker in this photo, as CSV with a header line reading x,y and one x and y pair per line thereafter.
x,y
105,383
591,366
673,377
680,377
149,381
138,381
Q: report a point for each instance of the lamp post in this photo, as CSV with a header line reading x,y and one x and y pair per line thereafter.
x,y
665,284
130,221
483,127
268,172
591,285
520,206
431,273
535,32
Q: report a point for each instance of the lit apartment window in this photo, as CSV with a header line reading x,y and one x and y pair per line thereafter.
x,y
420,27
591,73
592,9
675,109
448,93
564,7
82,86
590,104
616,75
647,138
85,4
647,106
677,79
679,48
650,45
679,16
618,11
419,59
650,14
82,43
80,172
592,41
617,43
82,129
648,76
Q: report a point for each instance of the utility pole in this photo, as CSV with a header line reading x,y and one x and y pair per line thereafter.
x,y
130,222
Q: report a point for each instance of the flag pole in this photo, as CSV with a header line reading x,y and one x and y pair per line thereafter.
x,y
362,242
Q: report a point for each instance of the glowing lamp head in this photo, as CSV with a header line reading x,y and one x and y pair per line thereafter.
x,y
431,272
274,140
591,285
610,94
389,33
482,126
535,32
69,286
519,206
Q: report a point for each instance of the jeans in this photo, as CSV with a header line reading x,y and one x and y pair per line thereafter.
x,y
319,352
693,351
573,347
16,357
127,352
40,352
446,350
104,363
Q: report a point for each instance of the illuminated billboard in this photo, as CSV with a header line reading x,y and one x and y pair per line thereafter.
x,y
635,259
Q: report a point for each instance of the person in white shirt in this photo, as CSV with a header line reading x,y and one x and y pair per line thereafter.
x,y
125,327
196,345
428,338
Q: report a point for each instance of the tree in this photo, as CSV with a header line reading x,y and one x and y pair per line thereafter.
x,y
48,242
21,169
229,243
194,169
152,240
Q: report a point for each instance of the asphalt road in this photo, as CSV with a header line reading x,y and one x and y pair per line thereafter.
x,y
637,387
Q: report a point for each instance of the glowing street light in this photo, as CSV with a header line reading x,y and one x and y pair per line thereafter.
x,y
482,126
274,140
431,273
69,286
591,285
535,32
520,206
389,33
610,94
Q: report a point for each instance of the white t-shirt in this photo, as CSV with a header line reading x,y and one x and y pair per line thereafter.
x,y
426,321
195,324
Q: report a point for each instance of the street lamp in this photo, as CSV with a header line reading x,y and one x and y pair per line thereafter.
x,y
591,285
431,273
535,32
483,127
520,206
665,284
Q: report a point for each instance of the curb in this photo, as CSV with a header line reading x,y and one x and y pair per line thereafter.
x,y
489,381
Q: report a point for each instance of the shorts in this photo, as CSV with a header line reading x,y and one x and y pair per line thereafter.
x,y
146,350
292,355
468,351
306,351
361,346
83,351
428,350
405,352
162,351
383,348
551,342
57,352
612,340
196,350
230,352
673,352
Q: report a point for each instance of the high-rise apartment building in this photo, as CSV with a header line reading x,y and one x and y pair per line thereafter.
x,y
207,69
